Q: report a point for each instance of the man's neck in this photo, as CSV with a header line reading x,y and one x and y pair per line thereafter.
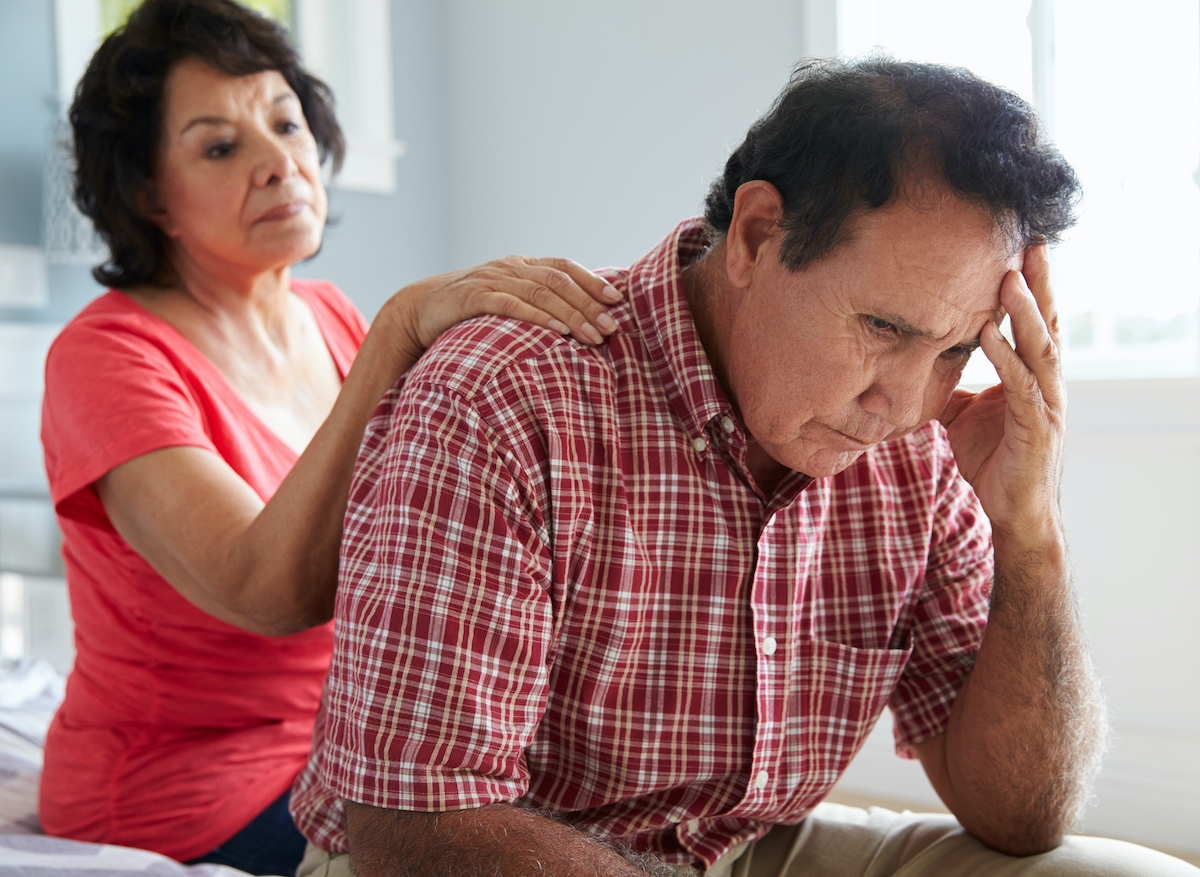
x,y
708,297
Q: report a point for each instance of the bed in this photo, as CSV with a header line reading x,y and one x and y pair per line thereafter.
x,y
30,691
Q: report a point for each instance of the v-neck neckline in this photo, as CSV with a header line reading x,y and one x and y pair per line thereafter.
x,y
215,373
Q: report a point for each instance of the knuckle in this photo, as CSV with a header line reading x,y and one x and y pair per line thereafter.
x,y
504,305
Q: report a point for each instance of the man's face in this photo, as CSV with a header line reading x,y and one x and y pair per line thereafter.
x,y
868,343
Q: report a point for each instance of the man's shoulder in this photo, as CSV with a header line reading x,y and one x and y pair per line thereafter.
x,y
476,356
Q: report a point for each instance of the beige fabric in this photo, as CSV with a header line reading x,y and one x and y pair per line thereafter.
x,y
318,863
838,841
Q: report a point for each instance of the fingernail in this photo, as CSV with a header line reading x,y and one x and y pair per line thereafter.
x,y
610,293
560,327
607,323
590,333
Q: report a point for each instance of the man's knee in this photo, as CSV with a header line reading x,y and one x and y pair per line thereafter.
x,y
838,841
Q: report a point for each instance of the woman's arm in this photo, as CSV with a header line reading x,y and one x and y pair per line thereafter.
x,y
272,568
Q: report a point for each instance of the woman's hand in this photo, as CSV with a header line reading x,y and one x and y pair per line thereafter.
x,y
556,294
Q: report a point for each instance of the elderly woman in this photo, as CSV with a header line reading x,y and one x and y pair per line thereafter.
x,y
201,422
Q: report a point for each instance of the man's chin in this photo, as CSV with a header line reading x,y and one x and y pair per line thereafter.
x,y
827,462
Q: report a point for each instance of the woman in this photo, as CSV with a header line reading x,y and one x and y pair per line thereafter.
x,y
200,426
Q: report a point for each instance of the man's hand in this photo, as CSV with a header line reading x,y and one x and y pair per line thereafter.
x,y
1007,440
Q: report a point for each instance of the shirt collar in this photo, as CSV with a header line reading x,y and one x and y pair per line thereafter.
x,y
665,323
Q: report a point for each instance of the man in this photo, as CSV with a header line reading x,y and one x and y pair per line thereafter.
x,y
621,610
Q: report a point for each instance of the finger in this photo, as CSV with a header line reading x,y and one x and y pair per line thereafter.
x,y
1021,390
593,284
575,306
559,299
958,400
1033,341
1036,271
537,303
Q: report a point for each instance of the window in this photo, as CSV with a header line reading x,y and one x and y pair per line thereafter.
x,y
348,43
1119,91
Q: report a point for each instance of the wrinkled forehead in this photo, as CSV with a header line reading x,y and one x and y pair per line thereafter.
x,y
195,88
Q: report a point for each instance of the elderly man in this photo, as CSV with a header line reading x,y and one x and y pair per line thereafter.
x,y
633,609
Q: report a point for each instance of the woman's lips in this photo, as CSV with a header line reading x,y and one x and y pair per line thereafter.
x,y
283,211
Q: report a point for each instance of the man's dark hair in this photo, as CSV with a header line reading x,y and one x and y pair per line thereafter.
x,y
844,135
117,115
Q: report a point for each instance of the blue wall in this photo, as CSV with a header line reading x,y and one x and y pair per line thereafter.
x,y
378,242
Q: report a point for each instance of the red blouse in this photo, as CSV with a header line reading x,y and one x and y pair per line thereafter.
x,y
177,728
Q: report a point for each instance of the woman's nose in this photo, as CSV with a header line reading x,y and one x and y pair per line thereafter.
x,y
273,162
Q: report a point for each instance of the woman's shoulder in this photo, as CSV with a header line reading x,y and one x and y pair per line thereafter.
x,y
106,319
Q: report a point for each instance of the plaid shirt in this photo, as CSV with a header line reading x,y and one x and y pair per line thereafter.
x,y
560,587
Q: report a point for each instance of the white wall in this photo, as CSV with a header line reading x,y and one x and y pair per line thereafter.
x,y
589,129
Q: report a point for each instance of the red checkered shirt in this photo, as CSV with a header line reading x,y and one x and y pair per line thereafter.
x,y
561,588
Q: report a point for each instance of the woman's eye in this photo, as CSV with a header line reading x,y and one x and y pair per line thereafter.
x,y
288,127
218,150
882,326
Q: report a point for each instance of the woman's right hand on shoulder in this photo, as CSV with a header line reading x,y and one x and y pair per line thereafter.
x,y
556,294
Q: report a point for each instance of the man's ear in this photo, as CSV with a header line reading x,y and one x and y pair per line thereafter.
x,y
757,213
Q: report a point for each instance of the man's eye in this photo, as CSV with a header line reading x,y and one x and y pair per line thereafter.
x,y
959,354
881,326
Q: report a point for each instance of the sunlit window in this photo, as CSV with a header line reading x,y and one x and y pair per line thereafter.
x,y
1120,95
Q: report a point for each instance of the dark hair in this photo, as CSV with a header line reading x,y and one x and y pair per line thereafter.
x,y
843,135
117,114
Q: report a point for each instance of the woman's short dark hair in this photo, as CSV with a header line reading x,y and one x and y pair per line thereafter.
x,y
117,115
843,135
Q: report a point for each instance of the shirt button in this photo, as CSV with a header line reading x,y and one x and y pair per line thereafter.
x,y
727,424
693,825
699,445
761,779
769,645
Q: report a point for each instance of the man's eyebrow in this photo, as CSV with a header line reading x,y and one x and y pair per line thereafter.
x,y
282,97
909,329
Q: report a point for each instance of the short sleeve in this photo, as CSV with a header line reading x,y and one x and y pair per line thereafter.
x,y
441,662
112,394
951,611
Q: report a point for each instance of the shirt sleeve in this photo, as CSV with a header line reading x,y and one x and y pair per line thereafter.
x,y
441,661
111,395
951,611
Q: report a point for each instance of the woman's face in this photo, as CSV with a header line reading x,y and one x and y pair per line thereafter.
x,y
237,185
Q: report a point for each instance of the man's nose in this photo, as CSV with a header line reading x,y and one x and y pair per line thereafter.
x,y
898,392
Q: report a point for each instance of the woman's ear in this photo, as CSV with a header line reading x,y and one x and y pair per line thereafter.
x,y
757,214
148,206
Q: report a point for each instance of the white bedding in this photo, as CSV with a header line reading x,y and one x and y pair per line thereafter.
x,y
30,691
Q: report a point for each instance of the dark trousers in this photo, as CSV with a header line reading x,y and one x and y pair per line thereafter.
x,y
270,844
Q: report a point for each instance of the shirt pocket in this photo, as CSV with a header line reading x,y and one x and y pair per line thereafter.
x,y
835,694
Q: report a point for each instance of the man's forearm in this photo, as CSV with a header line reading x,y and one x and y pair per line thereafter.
x,y
497,841
1027,730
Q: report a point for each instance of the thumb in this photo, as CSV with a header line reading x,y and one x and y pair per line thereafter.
x,y
958,400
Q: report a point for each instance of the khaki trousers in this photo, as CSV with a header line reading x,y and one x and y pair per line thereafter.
x,y
839,841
